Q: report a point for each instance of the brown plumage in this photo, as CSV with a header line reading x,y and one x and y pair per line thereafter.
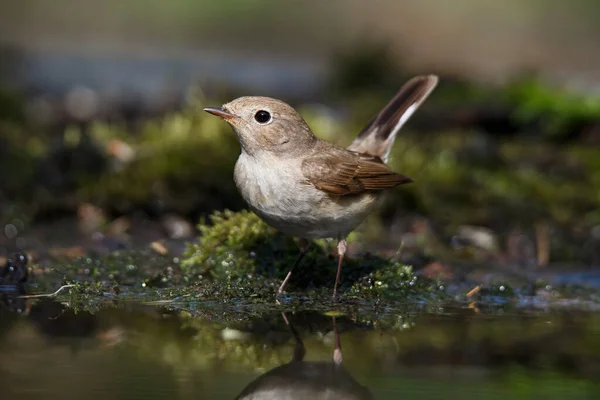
x,y
308,187
342,172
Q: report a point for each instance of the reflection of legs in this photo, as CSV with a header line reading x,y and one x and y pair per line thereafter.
x,y
304,244
299,350
341,251
337,349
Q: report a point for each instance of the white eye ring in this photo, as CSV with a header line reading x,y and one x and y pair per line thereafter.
x,y
263,117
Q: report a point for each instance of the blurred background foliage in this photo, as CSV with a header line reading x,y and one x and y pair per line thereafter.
x,y
100,116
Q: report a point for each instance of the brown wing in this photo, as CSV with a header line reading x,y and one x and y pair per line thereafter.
x,y
343,172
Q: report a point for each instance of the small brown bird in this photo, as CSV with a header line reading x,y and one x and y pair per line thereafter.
x,y
308,187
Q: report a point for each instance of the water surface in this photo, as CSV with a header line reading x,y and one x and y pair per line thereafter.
x,y
126,350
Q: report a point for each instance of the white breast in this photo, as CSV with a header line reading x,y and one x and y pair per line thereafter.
x,y
275,190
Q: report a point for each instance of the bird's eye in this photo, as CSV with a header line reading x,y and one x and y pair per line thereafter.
x,y
262,117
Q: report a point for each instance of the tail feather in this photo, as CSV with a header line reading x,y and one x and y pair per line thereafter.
x,y
378,136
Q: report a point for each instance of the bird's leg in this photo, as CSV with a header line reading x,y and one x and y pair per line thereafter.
x,y
299,349
337,349
341,251
304,244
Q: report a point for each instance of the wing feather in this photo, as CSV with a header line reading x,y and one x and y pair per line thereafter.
x,y
342,172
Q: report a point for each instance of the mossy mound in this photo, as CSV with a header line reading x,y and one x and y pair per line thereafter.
x,y
238,258
239,248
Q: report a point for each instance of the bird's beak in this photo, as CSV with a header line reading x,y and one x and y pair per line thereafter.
x,y
220,112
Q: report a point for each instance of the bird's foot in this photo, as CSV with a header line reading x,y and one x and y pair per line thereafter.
x,y
336,296
280,298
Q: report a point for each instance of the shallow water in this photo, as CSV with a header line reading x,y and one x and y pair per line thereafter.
x,y
126,350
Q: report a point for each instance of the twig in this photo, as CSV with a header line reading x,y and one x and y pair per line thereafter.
x,y
473,291
156,302
542,238
31,296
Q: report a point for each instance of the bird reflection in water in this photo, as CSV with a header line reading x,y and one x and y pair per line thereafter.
x,y
301,379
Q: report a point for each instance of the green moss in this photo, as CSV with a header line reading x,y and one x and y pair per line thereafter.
x,y
557,109
131,268
171,167
228,247
239,248
395,279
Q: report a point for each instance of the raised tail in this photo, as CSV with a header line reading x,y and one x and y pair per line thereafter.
x,y
378,136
